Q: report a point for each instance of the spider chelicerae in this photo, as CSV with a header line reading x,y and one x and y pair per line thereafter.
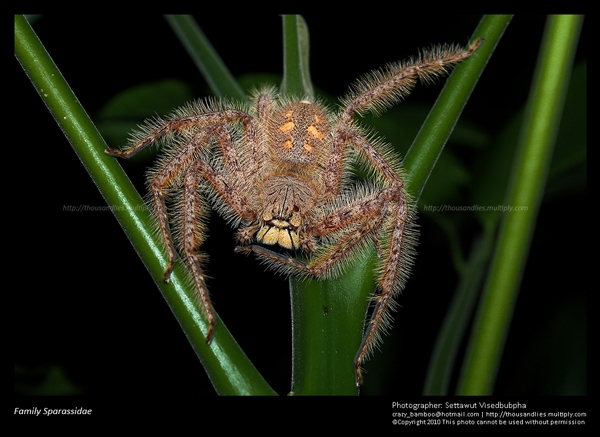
x,y
280,171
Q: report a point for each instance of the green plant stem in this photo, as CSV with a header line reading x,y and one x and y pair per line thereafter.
x,y
528,180
428,148
327,315
431,139
327,325
227,366
455,324
220,80
296,71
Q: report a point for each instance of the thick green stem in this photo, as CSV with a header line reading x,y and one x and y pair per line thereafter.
x,y
327,323
327,315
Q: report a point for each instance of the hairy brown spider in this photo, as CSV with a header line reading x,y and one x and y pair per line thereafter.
x,y
279,170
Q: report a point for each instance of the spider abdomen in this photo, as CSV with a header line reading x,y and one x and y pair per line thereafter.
x,y
300,134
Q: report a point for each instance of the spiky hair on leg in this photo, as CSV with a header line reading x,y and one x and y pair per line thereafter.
x,y
379,89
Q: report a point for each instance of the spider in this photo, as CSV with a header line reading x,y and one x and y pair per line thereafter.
x,y
279,170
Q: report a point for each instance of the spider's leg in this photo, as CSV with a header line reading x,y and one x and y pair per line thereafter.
x,y
386,218
156,129
176,160
394,267
280,261
395,234
190,219
227,187
378,90
189,216
164,178
193,233
323,265
375,92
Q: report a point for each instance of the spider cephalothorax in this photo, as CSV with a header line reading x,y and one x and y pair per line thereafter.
x,y
279,170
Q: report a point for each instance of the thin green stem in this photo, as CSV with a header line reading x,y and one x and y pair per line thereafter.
x,y
215,72
530,170
459,313
228,368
